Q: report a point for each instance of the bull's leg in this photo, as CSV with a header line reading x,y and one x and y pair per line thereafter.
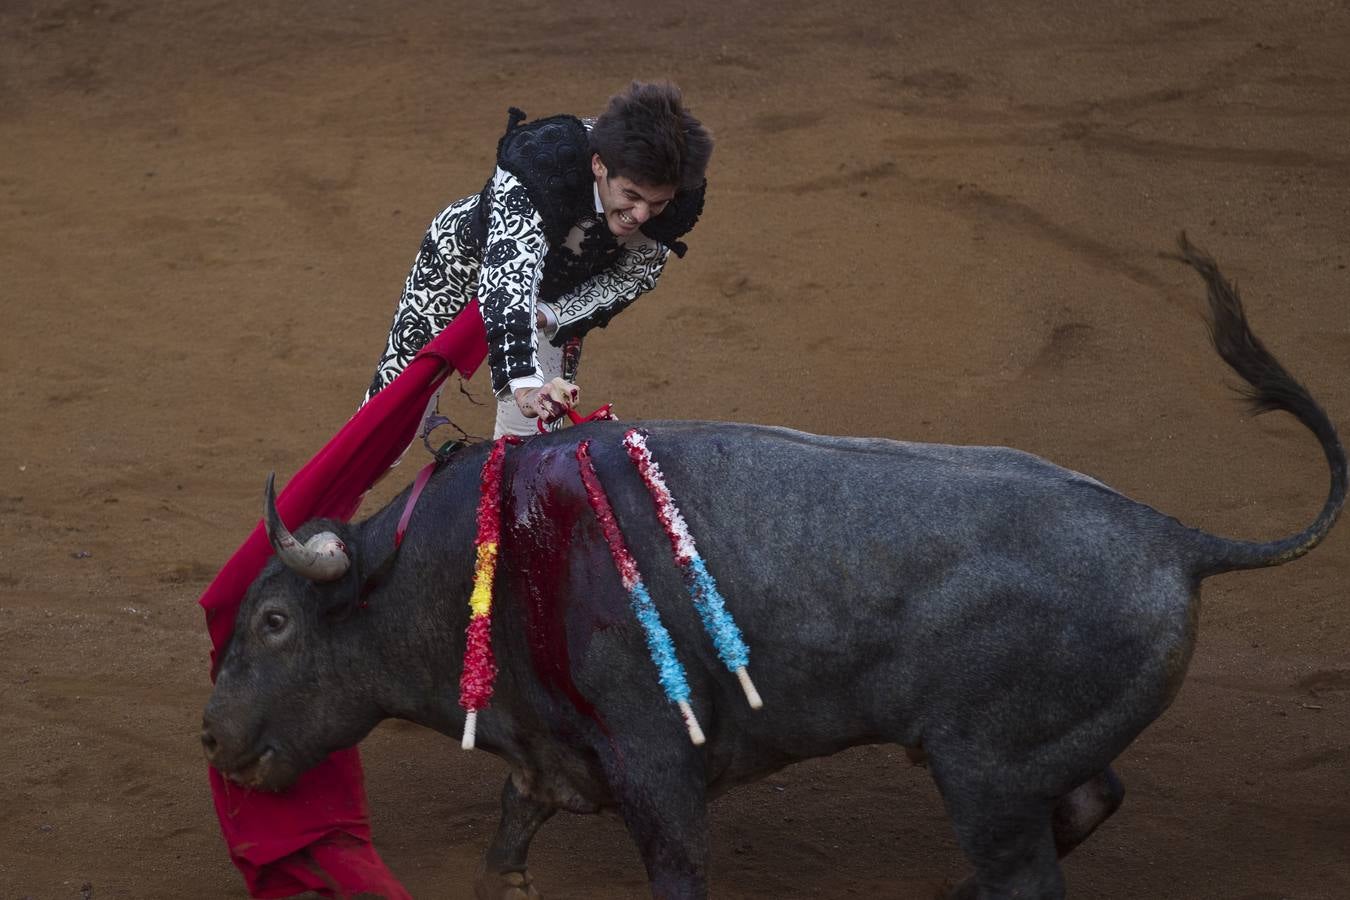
x,y
504,875
1079,812
1014,841
1008,838
1009,850
661,794
670,831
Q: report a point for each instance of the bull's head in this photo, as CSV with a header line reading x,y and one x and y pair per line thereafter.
x,y
296,680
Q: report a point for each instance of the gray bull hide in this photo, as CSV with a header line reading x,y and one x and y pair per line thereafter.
x,y
1016,622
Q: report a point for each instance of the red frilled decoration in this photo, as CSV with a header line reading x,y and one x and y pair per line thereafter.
x,y
480,667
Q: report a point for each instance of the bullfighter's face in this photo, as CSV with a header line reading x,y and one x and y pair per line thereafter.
x,y
627,204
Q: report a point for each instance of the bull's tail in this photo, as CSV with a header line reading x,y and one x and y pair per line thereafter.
x,y
1270,387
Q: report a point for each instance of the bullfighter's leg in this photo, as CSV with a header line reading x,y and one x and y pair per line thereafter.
x,y
1079,812
1008,838
503,875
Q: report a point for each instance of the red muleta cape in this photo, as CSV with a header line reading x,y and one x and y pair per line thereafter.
x,y
316,835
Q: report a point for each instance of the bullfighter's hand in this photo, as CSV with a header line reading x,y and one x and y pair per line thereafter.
x,y
550,401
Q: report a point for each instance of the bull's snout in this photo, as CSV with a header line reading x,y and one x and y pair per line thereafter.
x,y
249,763
214,744
225,749
209,743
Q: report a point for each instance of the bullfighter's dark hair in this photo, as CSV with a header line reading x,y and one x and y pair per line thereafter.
x,y
647,135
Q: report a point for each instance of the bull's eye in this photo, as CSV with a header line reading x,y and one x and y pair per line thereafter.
x,y
275,621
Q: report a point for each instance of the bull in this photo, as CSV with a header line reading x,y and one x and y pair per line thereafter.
x,y
1016,623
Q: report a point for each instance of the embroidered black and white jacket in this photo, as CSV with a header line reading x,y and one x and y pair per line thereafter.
x,y
535,236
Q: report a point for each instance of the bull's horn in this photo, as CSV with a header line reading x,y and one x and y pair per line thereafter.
x,y
321,558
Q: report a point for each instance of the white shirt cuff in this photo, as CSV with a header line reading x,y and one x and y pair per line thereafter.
x,y
525,381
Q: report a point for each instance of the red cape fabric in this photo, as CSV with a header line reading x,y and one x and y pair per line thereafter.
x,y
316,835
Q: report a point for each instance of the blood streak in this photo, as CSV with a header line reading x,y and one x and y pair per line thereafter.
x,y
546,556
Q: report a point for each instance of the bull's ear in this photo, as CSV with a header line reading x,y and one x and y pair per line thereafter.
x,y
340,599
337,600
373,577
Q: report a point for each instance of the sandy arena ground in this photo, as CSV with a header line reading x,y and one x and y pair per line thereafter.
x,y
926,221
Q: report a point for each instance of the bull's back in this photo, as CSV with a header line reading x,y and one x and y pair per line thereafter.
x,y
855,503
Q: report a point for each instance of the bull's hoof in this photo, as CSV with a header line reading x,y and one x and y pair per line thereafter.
x,y
505,886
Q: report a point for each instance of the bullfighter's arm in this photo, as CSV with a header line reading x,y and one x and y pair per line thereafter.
x,y
601,297
508,284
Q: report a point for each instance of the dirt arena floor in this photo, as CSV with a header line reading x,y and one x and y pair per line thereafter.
x,y
927,221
